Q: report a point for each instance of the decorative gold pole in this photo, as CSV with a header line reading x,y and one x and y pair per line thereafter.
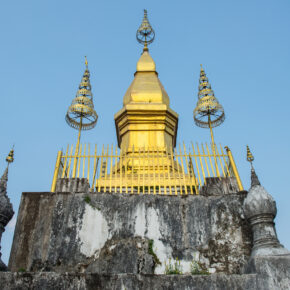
x,y
77,149
234,167
79,135
213,146
56,170
81,114
208,112
211,131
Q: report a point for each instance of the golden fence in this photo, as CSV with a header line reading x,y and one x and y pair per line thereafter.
x,y
146,170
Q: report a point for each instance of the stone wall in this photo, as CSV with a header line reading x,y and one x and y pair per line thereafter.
x,y
52,281
119,233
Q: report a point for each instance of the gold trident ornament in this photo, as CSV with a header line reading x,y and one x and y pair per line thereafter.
x,y
81,114
145,33
208,113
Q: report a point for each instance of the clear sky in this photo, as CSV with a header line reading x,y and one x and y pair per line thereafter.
x,y
243,45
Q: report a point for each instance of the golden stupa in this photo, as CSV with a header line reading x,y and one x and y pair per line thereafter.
x,y
147,160
146,125
146,119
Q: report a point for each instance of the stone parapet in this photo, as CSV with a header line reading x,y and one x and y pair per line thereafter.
x,y
52,281
72,185
110,233
220,186
273,272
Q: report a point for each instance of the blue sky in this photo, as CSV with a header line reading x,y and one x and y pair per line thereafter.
x,y
243,45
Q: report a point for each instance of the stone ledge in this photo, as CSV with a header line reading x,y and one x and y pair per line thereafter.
x,y
273,271
52,280
72,185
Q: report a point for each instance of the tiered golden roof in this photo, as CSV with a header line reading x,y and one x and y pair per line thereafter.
x,y
146,86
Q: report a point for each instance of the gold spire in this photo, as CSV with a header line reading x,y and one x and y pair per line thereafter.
x,y
145,33
146,119
146,63
146,86
10,157
81,114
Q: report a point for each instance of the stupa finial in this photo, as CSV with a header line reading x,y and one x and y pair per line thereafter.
x,y
81,114
250,156
10,156
254,177
86,63
145,33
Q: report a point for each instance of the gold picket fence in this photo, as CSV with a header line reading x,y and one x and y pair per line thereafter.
x,y
146,170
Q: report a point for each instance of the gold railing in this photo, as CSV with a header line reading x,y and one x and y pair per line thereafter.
x,y
146,170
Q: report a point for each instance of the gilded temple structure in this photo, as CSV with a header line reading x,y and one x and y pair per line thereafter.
x,y
147,159
147,213
146,119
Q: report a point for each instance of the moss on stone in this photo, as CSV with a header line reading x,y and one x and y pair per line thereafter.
x,y
152,253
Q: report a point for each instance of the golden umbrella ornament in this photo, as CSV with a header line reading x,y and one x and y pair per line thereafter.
x,y
81,114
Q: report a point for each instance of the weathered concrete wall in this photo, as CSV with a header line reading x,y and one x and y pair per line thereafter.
x,y
52,281
273,272
110,233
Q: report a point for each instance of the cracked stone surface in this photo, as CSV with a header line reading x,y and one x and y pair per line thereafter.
x,y
6,211
51,281
109,233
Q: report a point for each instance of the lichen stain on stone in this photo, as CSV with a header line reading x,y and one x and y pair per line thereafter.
x,y
93,231
148,225
83,234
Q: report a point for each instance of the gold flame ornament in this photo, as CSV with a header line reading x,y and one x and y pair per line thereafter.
x,y
81,114
10,157
145,33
